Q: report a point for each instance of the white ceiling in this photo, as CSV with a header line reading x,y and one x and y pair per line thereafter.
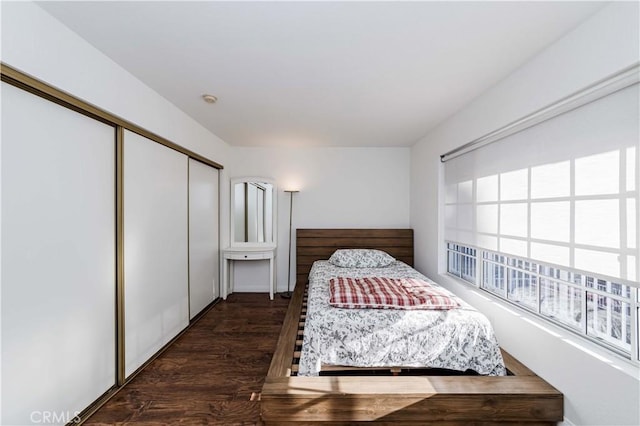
x,y
321,73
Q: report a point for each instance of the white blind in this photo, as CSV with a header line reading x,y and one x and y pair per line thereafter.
x,y
563,192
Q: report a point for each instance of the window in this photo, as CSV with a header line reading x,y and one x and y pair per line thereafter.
x,y
462,262
547,219
554,293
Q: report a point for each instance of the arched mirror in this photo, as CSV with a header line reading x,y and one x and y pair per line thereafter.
x,y
253,212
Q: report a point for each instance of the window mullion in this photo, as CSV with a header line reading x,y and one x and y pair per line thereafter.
x,y
622,211
583,319
572,214
635,331
479,267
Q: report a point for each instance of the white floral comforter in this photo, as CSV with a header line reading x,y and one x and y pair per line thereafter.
x,y
456,339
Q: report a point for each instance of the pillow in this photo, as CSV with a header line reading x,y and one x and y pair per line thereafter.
x,y
361,258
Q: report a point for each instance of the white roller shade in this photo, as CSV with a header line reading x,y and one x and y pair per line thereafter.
x,y
564,191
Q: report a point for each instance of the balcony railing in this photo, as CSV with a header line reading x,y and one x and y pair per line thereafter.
x,y
601,310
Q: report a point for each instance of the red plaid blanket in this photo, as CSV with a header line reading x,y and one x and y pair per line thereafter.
x,y
388,293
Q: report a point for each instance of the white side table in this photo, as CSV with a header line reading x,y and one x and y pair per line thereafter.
x,y
231,254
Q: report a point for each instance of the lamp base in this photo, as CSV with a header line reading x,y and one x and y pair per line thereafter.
x,y
286,294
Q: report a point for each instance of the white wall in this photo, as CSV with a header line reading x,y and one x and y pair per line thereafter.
x,y
36,43
339,187
596,391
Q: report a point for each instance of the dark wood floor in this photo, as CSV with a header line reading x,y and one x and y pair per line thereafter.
x,y
209,375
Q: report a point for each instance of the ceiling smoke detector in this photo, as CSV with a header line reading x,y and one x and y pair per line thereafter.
x,y
210,99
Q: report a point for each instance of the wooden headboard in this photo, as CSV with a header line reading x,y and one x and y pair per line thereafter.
x,y
319,244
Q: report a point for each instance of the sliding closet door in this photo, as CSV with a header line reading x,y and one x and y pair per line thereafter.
x,y
58,259
156,297
203,236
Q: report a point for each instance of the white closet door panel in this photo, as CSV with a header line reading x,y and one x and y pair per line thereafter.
x,y
203,236
156,296
58,258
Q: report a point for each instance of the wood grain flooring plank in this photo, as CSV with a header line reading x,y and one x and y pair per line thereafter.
x,y
209,375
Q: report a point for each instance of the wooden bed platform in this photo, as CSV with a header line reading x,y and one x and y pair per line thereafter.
x,y
519,398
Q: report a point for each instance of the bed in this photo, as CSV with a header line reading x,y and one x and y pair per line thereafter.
x,y
458,339
390,395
